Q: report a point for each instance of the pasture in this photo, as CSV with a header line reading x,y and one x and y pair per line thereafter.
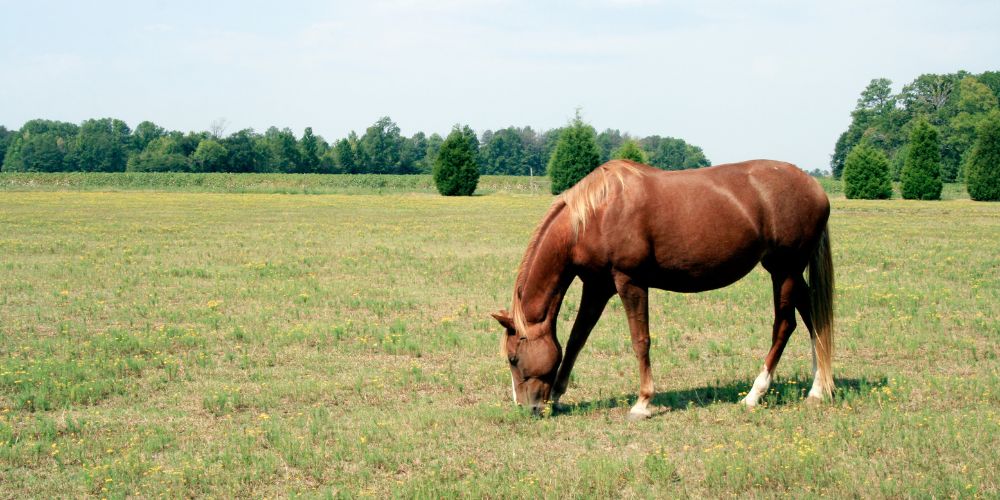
x,y
261,344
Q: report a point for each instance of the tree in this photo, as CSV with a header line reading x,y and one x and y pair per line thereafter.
x,y
309,152
610,141
456,171
211,156
343,153
434,143
41,146
218,127
382,147
503,153
101,145
44,152
145,133
281,150
630,150
876,119
535,157
414,157
165,154
921,177
975,102
244,153
576,155
669,153
6,137
984,161
866,174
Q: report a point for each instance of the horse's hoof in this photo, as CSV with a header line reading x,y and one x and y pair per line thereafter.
x,y
813,401
637,415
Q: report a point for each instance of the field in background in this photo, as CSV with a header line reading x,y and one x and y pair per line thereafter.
x,y
265,344
255,183
306,183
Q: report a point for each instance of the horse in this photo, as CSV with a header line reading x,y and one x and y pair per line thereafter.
x,y
627,227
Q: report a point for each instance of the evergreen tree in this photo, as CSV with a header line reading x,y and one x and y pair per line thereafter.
x,y
984,161
921,176
630,150
866,174
575,155
456,170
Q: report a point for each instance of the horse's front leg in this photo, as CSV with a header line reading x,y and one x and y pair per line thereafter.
x,y
592,303
635,298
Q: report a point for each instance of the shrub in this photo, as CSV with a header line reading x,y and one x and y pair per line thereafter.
x,y
631,150
866,174
983,171
456,169
576,155
921,176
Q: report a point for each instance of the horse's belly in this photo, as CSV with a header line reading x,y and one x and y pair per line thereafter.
x,y
706,268
699,278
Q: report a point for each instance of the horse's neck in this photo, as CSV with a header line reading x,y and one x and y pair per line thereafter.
x,y
547,276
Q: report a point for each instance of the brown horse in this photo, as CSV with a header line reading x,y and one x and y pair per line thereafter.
x,y
627,227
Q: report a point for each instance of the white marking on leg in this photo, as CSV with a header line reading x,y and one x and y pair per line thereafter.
x,y
760,386
513,389
817,387
641,409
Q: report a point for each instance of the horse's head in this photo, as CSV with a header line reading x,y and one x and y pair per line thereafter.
x,y
534,360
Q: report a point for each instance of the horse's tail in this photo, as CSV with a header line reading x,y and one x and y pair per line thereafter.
x,y
821,298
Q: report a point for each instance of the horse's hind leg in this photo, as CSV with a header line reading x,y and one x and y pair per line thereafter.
x,y
635,298
803,305
786,291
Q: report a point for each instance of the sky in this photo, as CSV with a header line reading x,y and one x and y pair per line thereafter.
x,y
741,79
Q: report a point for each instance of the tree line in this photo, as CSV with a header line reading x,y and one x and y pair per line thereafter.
x,y
110,145
955,105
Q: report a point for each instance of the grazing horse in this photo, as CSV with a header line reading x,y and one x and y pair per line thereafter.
x,y
627,227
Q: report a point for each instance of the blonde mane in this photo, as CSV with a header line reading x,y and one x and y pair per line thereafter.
x,y
592,191
582,200
528,259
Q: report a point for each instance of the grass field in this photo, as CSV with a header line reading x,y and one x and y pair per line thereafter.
x,y
211,344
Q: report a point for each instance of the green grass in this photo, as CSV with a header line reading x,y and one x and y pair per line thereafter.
x,y
204,344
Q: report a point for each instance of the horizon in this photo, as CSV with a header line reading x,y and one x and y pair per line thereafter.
x,y
776,80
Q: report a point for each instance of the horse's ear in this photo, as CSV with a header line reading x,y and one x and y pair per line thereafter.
x,y
503,317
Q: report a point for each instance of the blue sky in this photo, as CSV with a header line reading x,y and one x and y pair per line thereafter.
x,y
768,79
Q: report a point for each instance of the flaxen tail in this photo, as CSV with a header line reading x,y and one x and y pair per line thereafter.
x,y
821,297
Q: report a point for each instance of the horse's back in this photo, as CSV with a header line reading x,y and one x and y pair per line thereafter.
x,y
692,230
786,203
